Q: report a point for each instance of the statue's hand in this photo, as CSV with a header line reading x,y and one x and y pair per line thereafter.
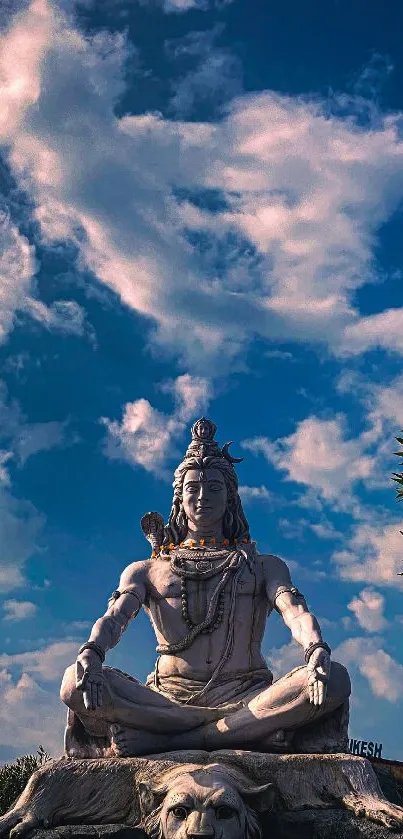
x,y
90,679
318,675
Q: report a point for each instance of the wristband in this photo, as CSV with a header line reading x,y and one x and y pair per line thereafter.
x,y
316,646
90,645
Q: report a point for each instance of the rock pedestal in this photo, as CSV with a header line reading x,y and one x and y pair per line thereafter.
x,y
306,796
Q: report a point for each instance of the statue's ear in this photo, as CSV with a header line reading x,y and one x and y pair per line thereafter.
x,y
150,798
260,798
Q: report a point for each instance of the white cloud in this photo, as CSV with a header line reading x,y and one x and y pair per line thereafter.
x,y
31,716
20,526
184,5
383,406
148,438
318,456
20,522
30,713
17,268
215,77
38,437
383,673
282,355
63,316
303,192
368,610
255,493
381,330
325,530
373,554
284,659
48,663
19,610
26,439
181,6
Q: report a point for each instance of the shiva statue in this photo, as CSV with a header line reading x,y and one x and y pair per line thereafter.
x,y
207,592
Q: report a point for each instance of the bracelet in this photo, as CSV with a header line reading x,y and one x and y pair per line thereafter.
x,y
90,645
316,646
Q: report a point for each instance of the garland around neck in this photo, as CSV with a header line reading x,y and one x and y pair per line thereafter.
x,y
201,545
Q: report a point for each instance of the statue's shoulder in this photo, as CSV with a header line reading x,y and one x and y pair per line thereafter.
x,y
274,567
136,572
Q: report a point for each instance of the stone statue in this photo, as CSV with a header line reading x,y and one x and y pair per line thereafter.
x,y
167,757
207,592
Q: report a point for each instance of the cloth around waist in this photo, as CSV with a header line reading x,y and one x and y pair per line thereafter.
x,y
226,689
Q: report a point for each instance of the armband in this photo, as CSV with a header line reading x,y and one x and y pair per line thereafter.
x,y
319,645
116,594
91,645
291,589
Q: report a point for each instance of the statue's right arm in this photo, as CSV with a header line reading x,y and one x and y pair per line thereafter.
x,y
123,606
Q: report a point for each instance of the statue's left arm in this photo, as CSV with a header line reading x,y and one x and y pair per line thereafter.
x,y
304,627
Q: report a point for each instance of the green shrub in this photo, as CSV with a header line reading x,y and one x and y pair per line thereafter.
x,y
15,776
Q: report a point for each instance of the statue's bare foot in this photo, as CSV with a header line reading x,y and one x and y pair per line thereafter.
x,y
130,742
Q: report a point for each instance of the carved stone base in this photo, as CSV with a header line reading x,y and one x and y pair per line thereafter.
x,y
310,824
300,795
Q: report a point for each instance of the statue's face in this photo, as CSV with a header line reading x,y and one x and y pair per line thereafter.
x,y
203,430
204,498
203,806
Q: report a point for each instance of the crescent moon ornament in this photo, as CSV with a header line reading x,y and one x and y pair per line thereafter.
x,y
228,456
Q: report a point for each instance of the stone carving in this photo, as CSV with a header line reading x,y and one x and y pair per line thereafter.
x,y
191,794
208,592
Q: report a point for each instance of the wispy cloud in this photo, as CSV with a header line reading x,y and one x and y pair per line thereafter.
x,y
303,192
19,610
215,78
383,673
249,494
368,609
31,712
373,554
20,522
317,455
20,527
148,438
17,268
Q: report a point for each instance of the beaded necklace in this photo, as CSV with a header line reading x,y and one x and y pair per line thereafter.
x,y
214,615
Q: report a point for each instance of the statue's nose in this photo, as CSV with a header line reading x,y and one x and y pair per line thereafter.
x,y
200,826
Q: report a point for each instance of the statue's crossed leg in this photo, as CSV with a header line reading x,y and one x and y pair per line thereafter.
x,y
142,721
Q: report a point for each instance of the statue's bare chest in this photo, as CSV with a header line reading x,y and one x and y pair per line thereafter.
x,y
166,584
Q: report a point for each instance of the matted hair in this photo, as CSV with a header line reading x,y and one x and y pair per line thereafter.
x,y
235,525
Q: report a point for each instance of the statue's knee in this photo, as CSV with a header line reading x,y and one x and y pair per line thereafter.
x,y
68,686
340,681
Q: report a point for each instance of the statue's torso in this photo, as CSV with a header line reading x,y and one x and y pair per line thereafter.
x,y
164,607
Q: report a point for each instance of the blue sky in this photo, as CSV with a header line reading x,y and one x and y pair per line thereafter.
x,y
200,213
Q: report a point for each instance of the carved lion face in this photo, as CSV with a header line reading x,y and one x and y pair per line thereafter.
x,y
209,802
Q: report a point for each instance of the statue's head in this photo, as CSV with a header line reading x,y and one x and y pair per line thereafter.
x,y
206,489
212,802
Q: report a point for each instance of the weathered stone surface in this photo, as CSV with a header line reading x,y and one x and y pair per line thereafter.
x,y
89,831
328,824
311,824
298,789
